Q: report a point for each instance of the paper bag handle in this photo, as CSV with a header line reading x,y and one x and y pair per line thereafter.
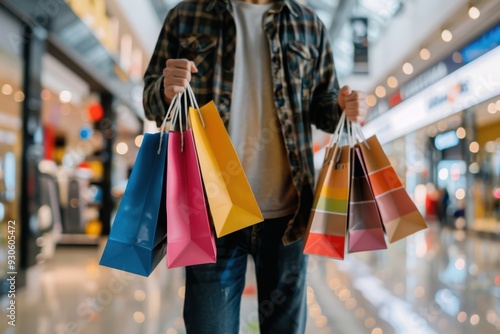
x,y
172,108
192,98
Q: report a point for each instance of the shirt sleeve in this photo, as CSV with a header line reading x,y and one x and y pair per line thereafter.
x,y
166,47
325,110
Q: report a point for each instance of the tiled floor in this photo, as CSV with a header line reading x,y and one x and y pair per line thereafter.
x,y
438,281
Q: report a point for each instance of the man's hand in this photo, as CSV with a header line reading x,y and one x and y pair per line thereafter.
x,y
353,103
176,77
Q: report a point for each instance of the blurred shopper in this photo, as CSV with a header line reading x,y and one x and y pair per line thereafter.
x,y
268,66
444,202
431,202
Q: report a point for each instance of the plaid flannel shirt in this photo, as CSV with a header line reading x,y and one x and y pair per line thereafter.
x,y
305,84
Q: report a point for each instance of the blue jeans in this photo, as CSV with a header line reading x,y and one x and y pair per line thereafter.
x,y
213,291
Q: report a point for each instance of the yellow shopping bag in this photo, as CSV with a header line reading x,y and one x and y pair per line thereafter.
x,y
230,198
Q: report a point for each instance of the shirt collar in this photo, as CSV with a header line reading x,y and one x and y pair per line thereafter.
x,y
278,7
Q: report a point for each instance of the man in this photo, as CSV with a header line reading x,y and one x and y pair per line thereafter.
x,y
268,66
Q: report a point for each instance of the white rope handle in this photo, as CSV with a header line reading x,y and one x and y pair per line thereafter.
x,y
181,121
192,98
165,120
175,107
350,133
336,134
360,133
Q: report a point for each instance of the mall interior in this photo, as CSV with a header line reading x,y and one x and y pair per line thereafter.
x,y
72,122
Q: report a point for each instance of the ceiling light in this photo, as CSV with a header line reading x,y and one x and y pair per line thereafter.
x,y
425,54
65,96
474,13
138,140
371,100
432,131
19,96
121,148
492,109
407,68
442,126
380,91
457,57
7,89
461,133
446,35
45,94
392,81
474,147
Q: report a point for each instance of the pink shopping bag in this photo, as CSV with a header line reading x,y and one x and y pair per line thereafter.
x,y
190,239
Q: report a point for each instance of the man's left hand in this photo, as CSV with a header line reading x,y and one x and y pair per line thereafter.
x,y
353,103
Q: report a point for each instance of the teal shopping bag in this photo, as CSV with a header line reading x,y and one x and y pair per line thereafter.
x,y
137,241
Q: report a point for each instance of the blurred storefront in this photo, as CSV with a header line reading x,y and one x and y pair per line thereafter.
x,y
442,131
69,121
11,99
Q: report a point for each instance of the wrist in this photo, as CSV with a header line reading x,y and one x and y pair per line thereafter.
x,y
162,92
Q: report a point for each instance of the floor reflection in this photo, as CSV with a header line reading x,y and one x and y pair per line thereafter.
x,y
437,281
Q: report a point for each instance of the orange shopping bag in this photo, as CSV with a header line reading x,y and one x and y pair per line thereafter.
x,y
326,232
399,214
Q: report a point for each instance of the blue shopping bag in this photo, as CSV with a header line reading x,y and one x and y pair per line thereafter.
x,y
137,241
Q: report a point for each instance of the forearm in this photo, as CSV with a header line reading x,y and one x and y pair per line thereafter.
x,y
326,110
154,101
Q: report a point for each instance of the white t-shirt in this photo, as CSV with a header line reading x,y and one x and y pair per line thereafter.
x,y
254,127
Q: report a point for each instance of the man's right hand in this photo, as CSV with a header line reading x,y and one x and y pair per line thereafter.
x,y
176,77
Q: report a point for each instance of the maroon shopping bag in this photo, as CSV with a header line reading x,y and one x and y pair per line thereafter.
x,y
190,239
365,225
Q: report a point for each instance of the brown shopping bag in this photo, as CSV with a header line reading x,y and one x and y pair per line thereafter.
x,y
326,231
365,226
399,214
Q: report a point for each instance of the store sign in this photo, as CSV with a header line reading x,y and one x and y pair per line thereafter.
x,y
488,41
427,78
476,82
450,96
446,140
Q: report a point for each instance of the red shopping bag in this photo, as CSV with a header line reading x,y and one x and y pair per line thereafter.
x,y
190,239
365,226
399,214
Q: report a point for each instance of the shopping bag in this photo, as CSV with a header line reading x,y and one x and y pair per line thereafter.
x,y
326,231
231,201
399,214
190,239
365,226
137,241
